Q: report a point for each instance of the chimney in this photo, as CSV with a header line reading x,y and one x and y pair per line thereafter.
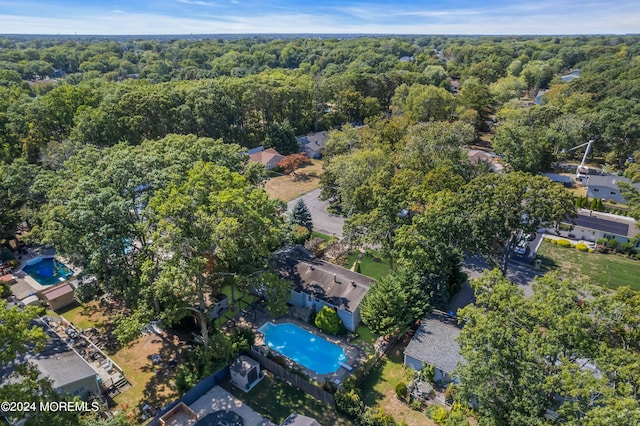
x,y
311,267
335,278
353,283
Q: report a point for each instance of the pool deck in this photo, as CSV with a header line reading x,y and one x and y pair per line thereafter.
x,y
355,356
25,285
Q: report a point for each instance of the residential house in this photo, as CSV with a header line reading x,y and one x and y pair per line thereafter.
x,y
69,372
269,157
316,283
565,180
606,187
571,76
591,225
476,156
312,144
540,99
434,343
299,420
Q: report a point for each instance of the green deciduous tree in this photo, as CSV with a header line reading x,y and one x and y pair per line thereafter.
x,y
501,208
565,348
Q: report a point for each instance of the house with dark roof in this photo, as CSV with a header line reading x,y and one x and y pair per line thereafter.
x,y
68,371
269,157
590,225
606,187
434,343
316,283
312,144
563,179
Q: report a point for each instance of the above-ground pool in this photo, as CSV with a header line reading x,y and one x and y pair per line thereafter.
x,y
304,347
48,271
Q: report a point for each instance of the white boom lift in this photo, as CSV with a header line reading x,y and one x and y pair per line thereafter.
x,y
582,172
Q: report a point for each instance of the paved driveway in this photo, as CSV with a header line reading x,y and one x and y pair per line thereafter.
x,y
518,273
324,222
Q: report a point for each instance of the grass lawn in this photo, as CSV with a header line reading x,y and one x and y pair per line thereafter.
x,y
243,298
146,385
378,388
288,187
372,263
276,399
365,340
607,270
316,234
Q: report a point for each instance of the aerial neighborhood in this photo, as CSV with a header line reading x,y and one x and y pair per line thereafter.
x,y
319,230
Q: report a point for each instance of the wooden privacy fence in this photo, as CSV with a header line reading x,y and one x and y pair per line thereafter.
x,y
293,379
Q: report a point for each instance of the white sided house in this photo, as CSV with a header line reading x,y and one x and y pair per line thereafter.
x,y
606,187
590,225
434,343
316,283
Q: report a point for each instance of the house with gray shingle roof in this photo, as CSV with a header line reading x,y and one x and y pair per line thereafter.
x,y
312,144
434,343
606,187
316,283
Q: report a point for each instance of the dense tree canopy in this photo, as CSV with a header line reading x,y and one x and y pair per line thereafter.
x,y
568,348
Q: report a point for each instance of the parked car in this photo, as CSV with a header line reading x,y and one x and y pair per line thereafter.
x,y
531,236
521,248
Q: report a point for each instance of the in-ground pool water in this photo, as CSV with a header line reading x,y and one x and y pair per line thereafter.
x,y
48,271
303,347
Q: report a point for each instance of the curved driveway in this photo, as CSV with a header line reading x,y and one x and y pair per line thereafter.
x,y
323,222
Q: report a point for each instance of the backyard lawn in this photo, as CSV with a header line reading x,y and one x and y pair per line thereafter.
x,y
609,270
146,385
372,263
288,187
276,399
379,386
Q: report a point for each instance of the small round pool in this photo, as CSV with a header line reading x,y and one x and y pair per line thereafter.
x,y
48,271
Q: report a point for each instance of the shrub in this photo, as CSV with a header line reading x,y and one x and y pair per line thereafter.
x,y
592,251
563,243
402,391
582,247
437,413
348,402
328,321
428,372
613,243
416,404
316,246
554,241
549,240
357,268
626,247
449,393
299,234
377,416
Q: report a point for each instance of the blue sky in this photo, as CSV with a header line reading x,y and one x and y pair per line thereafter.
x,y
309,16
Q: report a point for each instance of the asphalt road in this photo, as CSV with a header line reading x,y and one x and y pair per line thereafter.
x,y
323,222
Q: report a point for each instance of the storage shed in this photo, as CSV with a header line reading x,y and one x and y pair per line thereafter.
x,y
58,296
245,373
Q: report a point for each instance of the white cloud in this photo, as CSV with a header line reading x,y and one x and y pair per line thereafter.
x,y
614,22
199,3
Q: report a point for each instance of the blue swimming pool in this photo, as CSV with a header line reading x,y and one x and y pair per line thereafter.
x,y
304,347
48,271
